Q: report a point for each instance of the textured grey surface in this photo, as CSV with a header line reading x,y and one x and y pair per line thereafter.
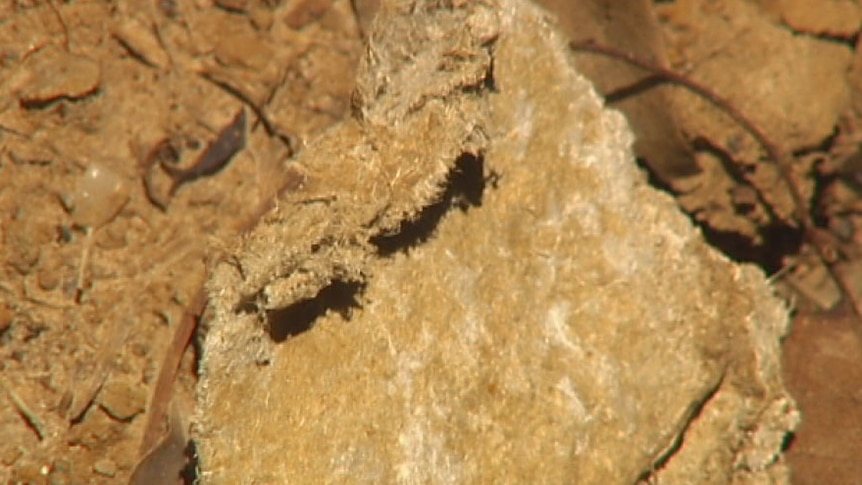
x,y
573,327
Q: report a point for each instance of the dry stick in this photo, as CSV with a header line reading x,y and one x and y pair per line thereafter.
x,y
812,235
154,430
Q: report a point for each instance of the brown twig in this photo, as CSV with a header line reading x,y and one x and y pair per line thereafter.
x,y
155,428
822,242
268,126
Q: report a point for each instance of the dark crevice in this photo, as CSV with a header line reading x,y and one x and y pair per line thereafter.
x,y
464,189
197,343
490,82
45,103
787,442
248,304
847,41
823,147
633,89
778,240
340,297
821,184
694,412
735,170
487,83
189,473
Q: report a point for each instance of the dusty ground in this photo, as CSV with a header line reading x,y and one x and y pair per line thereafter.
x,y
94,276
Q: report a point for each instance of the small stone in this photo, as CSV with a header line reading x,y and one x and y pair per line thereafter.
x,y
55,74
249,51
50,272
115,236
141,41
122,400
839,18
305,12
26,234
105,467
9,455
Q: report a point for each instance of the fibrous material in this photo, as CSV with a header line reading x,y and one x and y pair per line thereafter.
x,y
469,281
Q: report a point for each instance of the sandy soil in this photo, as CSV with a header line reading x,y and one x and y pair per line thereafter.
x,y
99,261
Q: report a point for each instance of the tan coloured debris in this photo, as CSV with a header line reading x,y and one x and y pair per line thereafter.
x,y
53,74
141,40
470,282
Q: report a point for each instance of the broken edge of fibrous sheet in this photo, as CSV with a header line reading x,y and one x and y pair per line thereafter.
x,y
573,325
419,106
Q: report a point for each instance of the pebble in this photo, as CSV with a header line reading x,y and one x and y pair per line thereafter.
x,y
9,455
121,400
106,467
141,41
54,74
305,12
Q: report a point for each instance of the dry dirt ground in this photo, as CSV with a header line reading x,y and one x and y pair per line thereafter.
x,y
99,257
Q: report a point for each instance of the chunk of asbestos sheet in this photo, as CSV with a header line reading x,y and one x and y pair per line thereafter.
x,y
470,282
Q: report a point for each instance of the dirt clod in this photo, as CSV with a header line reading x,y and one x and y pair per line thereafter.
x,y
53,74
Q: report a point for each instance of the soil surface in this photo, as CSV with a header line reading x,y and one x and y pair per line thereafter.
x,y
108,111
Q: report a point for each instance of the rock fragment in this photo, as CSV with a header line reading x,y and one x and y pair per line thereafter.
x,y
54,74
